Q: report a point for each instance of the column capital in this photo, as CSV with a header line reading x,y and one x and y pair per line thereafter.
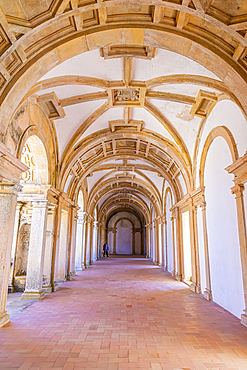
x,y
40,203
238,190
203,205
10,188
95,224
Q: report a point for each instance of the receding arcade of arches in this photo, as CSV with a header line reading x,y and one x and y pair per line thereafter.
x,y
127,126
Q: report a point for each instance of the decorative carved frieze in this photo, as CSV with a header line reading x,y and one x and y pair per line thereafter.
x,y
126,96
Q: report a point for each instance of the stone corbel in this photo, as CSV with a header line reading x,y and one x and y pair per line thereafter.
x,y
10,167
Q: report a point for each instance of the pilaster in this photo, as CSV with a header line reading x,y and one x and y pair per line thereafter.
x,y
238,190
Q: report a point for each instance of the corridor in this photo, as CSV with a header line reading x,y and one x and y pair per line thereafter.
x,y
123,313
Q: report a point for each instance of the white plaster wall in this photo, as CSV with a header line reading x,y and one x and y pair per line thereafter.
x,y
138,243
224,251
225,113
124,237
169,234
201,249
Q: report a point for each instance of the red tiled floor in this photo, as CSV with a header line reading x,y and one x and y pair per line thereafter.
x,y
124,314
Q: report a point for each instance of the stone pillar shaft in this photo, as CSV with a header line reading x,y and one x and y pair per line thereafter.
x,y
33,289
133,240
8,196
173,249
14,245
147,241
115,240
49,244
238,191
195,266
207,291
84,245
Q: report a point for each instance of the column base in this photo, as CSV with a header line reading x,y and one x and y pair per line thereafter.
x,y
179,277
198,289
47,288
173,273
193,287
244,319
4,319
32,296
70,276
78,269
207,294
55,286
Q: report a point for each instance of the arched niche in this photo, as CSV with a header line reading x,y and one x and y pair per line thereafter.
x,y
124,233
35,157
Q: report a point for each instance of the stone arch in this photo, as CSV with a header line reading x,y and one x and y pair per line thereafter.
x,y
214,133
23,127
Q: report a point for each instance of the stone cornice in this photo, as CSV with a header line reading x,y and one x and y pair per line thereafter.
x,y
239,170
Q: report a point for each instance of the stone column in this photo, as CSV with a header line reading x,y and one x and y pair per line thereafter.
x,y
8,196
14,246
197,259
79,242
158,254
90,246
35,264
72,243
114,240
142,241
133,240
195,285
238,191
49,243
55,251
176,215
63,248
84,245
99,241
164,242
148,241
88,243
95,241
173,249
207,291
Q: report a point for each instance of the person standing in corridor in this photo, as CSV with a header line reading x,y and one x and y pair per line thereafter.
x,y
105,249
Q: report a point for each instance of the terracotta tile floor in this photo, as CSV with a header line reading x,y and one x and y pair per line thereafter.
x,y
123,314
